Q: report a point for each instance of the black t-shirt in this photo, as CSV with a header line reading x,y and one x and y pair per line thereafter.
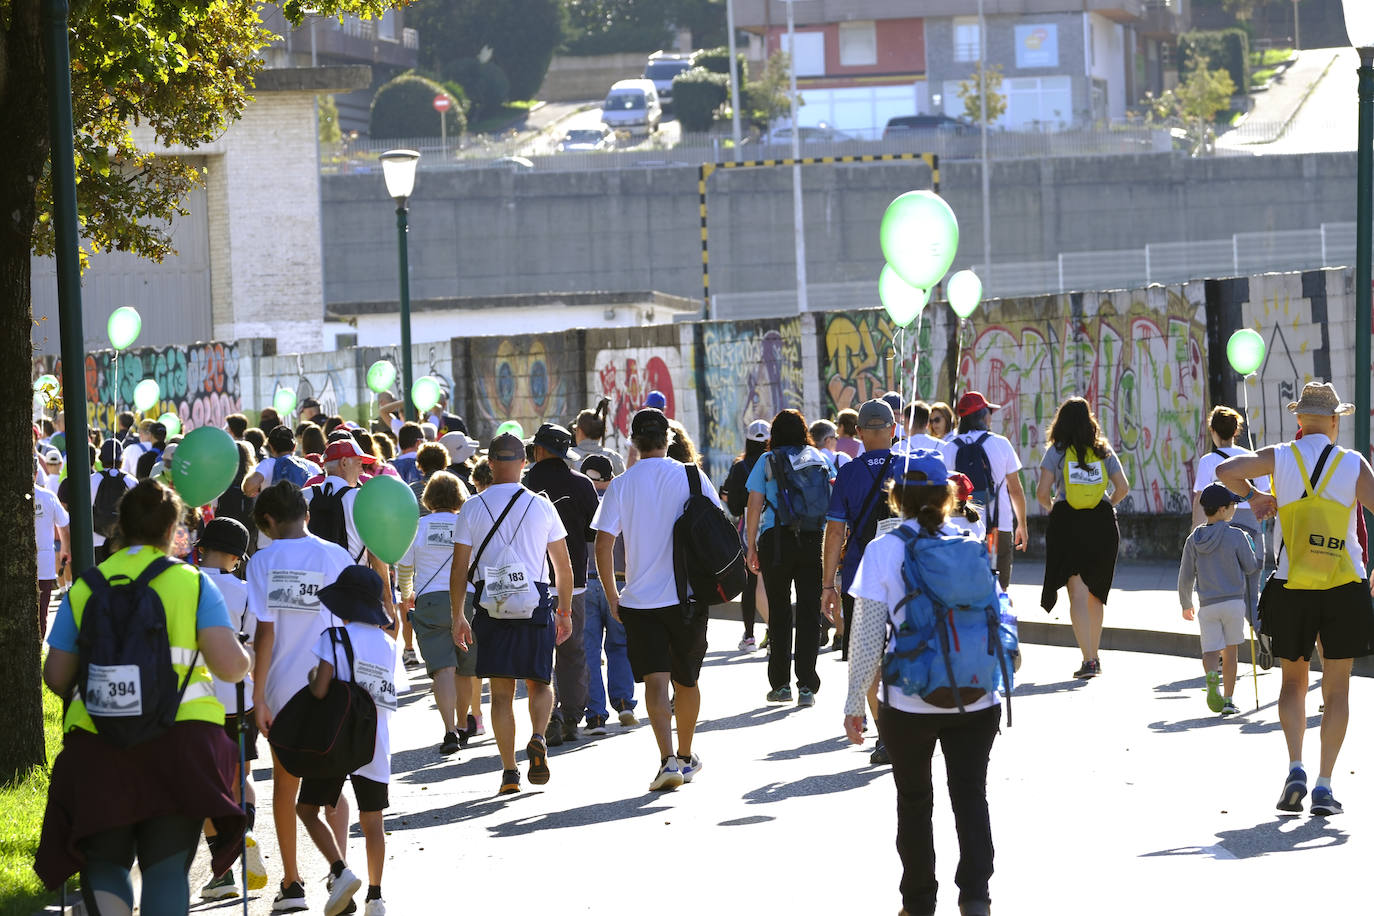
x,y
736,487
574,496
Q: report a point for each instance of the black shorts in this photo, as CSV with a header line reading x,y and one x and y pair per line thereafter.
x,y
1293,619
659,640
321,793
250,733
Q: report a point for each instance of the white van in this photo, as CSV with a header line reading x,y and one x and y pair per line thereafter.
x,y
632,105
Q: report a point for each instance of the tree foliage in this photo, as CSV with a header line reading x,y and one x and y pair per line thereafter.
x,y
482,81
328,115
404,108
624,26
1225,49
969,94
522,36
768,98
698,94
1192,107
717,60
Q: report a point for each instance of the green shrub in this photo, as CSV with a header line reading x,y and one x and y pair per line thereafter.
x,y
1228,49
404,108
697,96
484,82
717,60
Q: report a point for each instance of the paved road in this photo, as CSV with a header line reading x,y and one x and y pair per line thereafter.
x,y
1122,794
1320,89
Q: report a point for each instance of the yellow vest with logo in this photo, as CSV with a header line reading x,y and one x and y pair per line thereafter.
x,y
1314,529
179,589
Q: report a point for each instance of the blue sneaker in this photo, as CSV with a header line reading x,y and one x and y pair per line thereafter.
x,y
1324,804
1294,791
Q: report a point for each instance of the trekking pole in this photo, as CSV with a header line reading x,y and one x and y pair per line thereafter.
x,y
243,800
1254,670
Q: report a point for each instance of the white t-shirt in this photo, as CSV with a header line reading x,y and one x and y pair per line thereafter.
x,y
235,592
374,661
880,579
529,528
1207,471
355,540
642,504
1288,487
48,516
1002,459
431,553
978,529
97,538
132,452
920,441
284,579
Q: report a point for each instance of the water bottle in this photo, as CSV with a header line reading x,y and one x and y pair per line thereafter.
x,y
1011,643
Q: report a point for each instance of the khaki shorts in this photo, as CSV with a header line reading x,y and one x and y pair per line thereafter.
x,y
433,623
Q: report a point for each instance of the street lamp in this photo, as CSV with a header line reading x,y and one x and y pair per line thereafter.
x,y
1359,25
398,169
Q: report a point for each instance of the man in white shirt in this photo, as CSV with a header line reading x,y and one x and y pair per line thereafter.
x,y
136,449
988,455
663,642
50,521
917,416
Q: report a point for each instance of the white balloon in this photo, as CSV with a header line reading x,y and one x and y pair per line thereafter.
x,y
965,292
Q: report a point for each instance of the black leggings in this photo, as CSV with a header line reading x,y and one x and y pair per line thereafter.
x,y
165,848
784,559
749,604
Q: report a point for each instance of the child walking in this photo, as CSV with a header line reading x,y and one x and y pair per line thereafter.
x,y
1220,560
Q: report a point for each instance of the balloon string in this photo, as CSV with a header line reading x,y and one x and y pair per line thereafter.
x,y
1245,400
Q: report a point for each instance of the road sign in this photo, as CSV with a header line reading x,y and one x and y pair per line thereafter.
x,y
442,103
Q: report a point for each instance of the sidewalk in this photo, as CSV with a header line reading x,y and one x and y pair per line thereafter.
x,y
1277,106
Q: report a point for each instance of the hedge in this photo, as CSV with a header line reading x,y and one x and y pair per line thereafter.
x,y
1228,49
717,60
697,96
404,108
484,82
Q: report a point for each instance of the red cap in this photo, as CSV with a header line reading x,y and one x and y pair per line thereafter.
x,y
972,402
346,448
962,484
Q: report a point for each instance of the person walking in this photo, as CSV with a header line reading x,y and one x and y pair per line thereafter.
x,y
108,803
753,601
1320,590
941,424
601,630
847,423
665,641
589,434
1082,537
504,537
51,532
789,495
107,489
918,416
991,462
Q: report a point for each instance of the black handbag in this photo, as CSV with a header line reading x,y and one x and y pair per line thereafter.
x,y
330,737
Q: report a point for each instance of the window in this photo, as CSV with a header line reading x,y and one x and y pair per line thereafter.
x,y
810,55
858,44
966,40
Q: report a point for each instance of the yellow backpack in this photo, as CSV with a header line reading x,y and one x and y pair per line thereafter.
x,y
1084,487
1314,530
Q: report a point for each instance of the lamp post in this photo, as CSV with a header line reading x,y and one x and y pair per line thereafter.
x,y
1359,25
398,169
798,210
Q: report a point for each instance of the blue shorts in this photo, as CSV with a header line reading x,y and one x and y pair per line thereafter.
x,y
519,649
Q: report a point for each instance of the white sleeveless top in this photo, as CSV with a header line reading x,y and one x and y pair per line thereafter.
x,y
1288,486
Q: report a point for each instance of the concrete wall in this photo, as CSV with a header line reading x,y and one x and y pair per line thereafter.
x,y
577,79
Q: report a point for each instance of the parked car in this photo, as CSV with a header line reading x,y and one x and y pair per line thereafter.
x,y
587,140
662,67
632,105
898,127
821,133
513,163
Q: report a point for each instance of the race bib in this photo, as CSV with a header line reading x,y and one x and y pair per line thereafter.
x,y
440,533
508,592
294,591
1085,476
114,691
886,525
379,682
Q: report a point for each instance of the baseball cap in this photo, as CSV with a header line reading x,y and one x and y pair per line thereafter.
x,y
451,422
1216,496
894,400
972,402
460,446
876,414
648,420
758,431
52,456
963,483
111,453
506,447
340,449
925,465
656,399
309,402
281,439
555,438
227,535
598,467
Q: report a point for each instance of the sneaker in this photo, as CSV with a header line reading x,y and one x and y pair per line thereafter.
x,y
570,732
805,697
553,736
1091,668
975,908
341,890
253,863
221,888
1214,700
747,644
409,658
763,644
596,725
689,767
538,753
1265,654
450,744
510,782
628,719
350,908
1230,709
1294,790
669,776
476,725
1324,804
837,643
375,908
290,899
879,756
781,695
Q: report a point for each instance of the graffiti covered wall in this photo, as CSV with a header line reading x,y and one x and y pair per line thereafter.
x,y
624,365
532,379
750,370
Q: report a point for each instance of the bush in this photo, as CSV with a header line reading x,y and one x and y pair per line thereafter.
x,y
717,60
404,108
484,82
1228,49
697,96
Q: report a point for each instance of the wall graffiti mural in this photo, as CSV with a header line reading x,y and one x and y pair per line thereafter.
x,y
529,379
1296,352
627,377
867,355
752,371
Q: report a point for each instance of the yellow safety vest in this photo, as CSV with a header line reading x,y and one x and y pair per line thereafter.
x,y
179,589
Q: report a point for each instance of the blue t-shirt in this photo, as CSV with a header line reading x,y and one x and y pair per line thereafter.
x,y
852,485
211,611
762,481
406,468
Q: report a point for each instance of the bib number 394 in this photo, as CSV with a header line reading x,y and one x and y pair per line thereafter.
x,y
114,691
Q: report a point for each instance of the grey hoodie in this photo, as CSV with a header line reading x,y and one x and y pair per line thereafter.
x,y
1223,562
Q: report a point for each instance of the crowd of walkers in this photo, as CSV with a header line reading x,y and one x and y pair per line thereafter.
x,y
545,562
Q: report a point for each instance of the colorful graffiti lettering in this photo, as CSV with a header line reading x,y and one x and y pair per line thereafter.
x,y
752,371
867,356
528,379
627,377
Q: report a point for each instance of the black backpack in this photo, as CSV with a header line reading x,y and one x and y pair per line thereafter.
x,y
971,460
327,515
125,671
707,552
105,506
330,737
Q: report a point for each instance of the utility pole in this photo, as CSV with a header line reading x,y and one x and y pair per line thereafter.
x,y
734,78
983,134
798,215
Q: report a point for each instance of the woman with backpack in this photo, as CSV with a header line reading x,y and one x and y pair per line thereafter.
x,y
735,494
912,718
789,495
126,785
1082,537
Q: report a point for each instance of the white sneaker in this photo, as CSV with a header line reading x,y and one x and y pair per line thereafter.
x,y
628,718
341,890
747,644
375,908
253,863
669,777
689,767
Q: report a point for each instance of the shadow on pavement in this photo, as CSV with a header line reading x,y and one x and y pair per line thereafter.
x,y
820,747
453,814
587,814
746,821
425,765
821,784
1245,727
752,717
1032,689
714,659
1277,835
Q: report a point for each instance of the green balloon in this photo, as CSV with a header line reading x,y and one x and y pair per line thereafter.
x,y
903,301
204,465
124,326
380,376
1245,351
425,393
59,442
512,427
387,517
919,237
46,382
284,401
146,394
965,292
172,423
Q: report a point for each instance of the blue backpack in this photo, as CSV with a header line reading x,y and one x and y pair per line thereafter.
x,y
803,493
289,467
957,641
971,460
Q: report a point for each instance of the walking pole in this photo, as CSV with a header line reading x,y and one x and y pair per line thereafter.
x,y
243,801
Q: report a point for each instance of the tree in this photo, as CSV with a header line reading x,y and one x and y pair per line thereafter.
x,y
698,94
769,97
328,114
997,100
404,108
183,69
1243,10
522,36
612,26
1193,106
